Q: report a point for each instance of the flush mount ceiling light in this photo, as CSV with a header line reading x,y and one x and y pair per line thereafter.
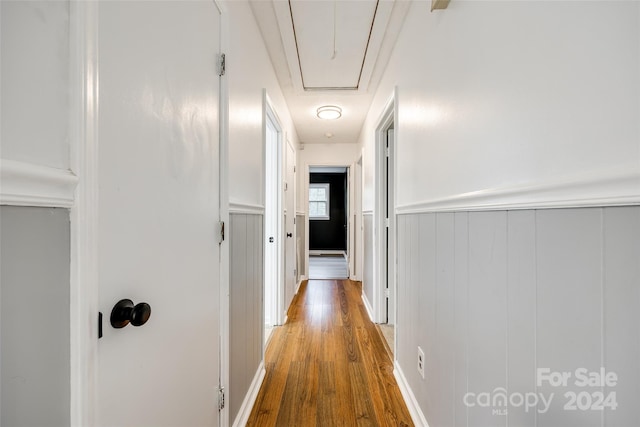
x,y
329,112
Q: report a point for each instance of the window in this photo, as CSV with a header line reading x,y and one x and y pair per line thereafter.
x,y
319,201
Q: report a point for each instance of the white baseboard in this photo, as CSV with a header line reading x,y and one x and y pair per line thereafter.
x,y
367,306
250,398
409,398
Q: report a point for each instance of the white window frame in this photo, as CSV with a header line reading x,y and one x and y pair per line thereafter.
x,y
326,187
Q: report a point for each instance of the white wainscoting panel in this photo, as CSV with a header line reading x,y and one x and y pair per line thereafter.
x,y
493,296
246,277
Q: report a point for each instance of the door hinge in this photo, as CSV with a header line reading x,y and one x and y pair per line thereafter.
x,y
386,293
387,223
221,234
221,396
222,64
386,151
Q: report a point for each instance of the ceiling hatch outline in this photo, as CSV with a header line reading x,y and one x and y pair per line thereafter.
x,y
362,63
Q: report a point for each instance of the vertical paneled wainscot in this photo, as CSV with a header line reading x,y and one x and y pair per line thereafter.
x,y
34,284
504,303
246,278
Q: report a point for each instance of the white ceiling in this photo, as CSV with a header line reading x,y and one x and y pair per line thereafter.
x,y
328,52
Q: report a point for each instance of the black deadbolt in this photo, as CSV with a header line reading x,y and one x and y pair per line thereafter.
x,y
124,312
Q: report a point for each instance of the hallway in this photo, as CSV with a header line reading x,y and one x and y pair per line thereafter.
x,y
328,366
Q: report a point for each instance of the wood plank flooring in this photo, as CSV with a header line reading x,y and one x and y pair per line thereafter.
x,y
327,366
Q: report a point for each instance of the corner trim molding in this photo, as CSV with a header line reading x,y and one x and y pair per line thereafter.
x,y
250,398
610,188
27,184
245,208
410,399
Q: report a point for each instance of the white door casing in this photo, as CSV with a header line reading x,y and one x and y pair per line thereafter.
x,y
290,228
159,209
384,215
273,217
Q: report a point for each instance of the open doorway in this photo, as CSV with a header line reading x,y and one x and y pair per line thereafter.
x,y
328,209
273,221
386,225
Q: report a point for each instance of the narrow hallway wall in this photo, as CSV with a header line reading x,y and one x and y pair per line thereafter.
x,y
249,71
502,106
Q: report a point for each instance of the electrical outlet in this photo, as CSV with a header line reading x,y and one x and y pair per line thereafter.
x,y
421,362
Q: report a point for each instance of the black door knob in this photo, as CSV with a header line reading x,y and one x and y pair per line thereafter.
x,y
124,312
289,234
270,239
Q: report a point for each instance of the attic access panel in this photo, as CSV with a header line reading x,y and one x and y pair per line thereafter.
x,y
332,40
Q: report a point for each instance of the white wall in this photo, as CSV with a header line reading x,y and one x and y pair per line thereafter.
x,y
249,71
319,155
521,96
493,94
35,82
35,338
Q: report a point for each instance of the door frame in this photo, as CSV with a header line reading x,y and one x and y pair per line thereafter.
x,y
269,114
386,119
292,187
350,196
357,176
84,156
83,292
223,170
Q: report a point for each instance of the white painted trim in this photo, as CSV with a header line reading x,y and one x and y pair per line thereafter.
x,y
245,208
250,397
84,292
367,306
409,398
388,116
367,213
608,188
300,213
27,184
269,114
305,191
223,208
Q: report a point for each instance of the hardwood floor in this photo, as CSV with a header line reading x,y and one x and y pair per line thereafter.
x,y
327,366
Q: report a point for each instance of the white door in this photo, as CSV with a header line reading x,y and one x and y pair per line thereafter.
x,y
290,209
272,224
158,212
